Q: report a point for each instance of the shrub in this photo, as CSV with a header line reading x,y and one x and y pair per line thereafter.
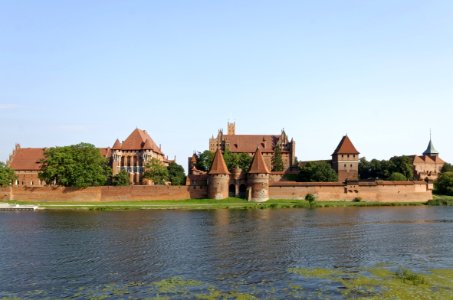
x,y
310,198
357,199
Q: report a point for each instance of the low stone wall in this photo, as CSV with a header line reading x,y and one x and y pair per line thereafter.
x,y
380,191
104,193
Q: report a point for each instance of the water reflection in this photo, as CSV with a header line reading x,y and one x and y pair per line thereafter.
x,y
231,249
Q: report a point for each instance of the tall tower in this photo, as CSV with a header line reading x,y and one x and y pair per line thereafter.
x,y
219,177
258,179
231,128
430,150
345,160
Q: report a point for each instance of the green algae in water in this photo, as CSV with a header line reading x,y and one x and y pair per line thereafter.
x,y
383,283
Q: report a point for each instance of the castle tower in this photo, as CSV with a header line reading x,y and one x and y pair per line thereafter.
x,y
116,157
219,177
345,160
231,128
258,179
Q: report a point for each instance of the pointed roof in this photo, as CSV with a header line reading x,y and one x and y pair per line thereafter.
x,y
431,150
345,147
218,165
137,141
258,165
117,145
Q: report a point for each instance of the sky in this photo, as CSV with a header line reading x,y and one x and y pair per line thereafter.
x,y
93,71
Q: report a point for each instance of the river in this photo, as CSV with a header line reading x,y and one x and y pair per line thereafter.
x,y
185,254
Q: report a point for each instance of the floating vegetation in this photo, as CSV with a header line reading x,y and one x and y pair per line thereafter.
x,y
384,283
380,282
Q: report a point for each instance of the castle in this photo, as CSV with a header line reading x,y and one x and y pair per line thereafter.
x,y
259,182
130,155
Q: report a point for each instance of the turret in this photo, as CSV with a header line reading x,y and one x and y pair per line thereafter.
x,y
219,177
258,179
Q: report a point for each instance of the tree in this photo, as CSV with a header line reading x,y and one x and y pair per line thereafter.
x,y
403,165
176,174
80,166
383,169
397,177
7,175
204,160
277,161
156,171
447,168
317,172
444,184
240,160
121,179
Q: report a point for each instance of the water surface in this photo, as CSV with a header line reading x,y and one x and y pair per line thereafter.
x,y
182,253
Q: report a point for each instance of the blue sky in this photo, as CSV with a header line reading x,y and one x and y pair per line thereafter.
x,y
92,71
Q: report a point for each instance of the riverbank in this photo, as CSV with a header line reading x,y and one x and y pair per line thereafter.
x,y
230,203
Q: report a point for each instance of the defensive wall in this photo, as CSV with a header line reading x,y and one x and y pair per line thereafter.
x,y
381,191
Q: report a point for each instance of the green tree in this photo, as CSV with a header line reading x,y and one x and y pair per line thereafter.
x,y
317,172
121,179
447,168
397,177
403,165
7,175
176,174
444,184
277,161
80,166
156,171
204,160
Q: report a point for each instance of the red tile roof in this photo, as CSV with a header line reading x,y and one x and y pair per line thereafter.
x,y
345,147
117,145
249,143
218,164
139,140
27,159
258,165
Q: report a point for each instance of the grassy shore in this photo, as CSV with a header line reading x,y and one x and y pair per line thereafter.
x,y
197,204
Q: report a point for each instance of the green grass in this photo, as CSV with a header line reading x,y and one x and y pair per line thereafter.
x,y
196,204
441,200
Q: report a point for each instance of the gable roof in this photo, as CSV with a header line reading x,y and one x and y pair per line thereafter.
x,y
26,159
218,165
138,139
345,147
249,143
258,165
29,159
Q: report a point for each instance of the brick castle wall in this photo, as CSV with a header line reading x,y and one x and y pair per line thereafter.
x,y
381,191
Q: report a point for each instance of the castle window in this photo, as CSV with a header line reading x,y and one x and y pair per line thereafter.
x,y
348,155
345,165
351,165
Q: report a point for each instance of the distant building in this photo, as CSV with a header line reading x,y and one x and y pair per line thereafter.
x,y
238,143
429,165
134,153
26,163
130,155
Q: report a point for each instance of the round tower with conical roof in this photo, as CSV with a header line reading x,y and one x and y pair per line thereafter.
x,y
219,177
258,179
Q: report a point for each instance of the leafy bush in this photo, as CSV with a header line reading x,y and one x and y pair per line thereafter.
x,y
357,199
310,198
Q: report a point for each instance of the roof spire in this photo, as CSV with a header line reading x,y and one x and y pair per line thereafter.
x,y
430,150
